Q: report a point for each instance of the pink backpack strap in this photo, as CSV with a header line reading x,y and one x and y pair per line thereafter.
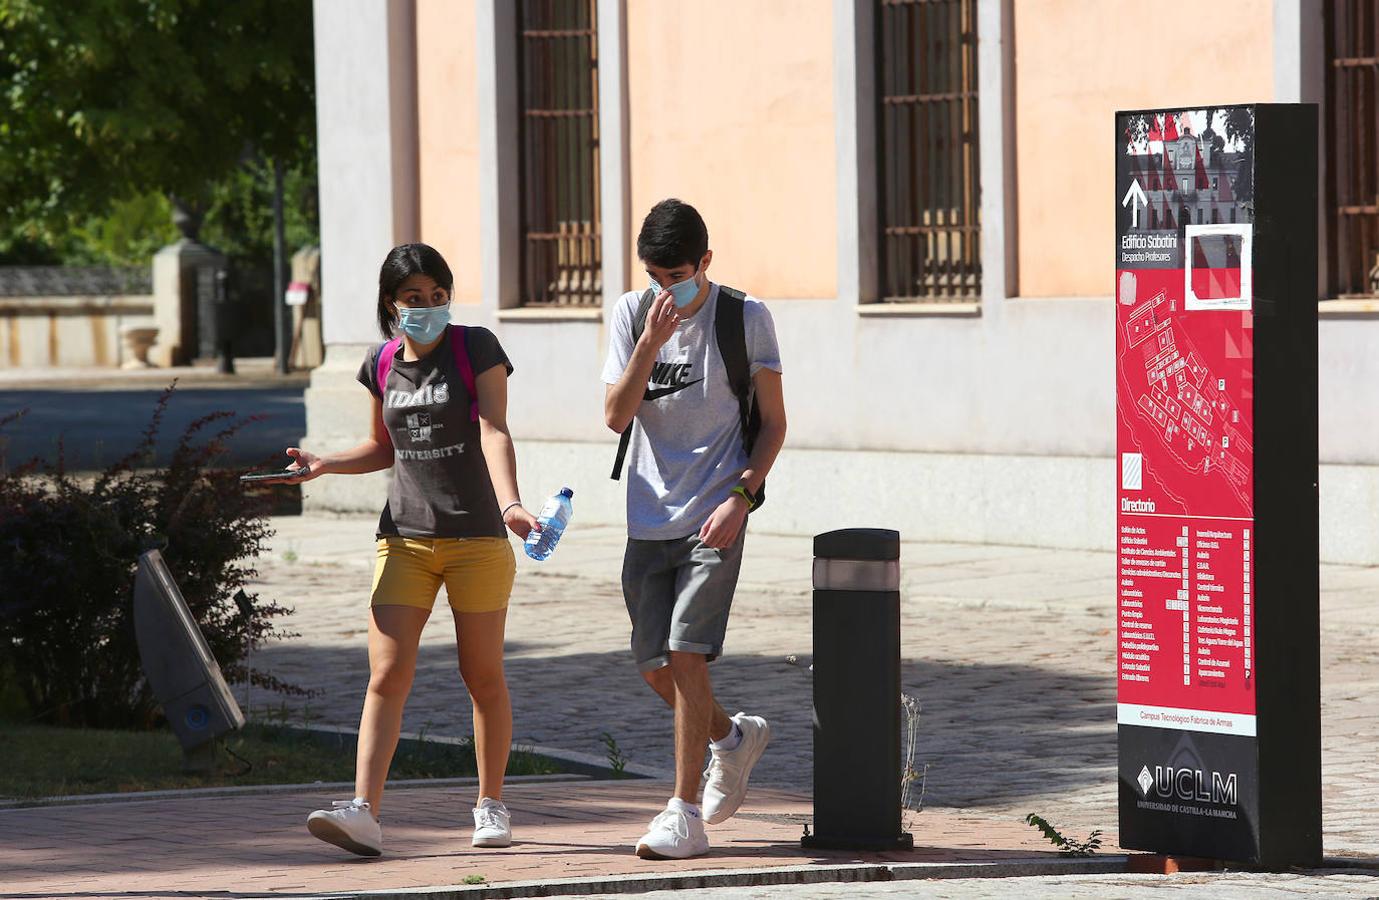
x,y
385,365
458,345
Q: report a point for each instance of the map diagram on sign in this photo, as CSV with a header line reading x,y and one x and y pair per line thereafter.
x,y
1188,397
1185,382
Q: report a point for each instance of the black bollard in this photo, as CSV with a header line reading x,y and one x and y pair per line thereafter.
x,y
857,777
213,317
224,323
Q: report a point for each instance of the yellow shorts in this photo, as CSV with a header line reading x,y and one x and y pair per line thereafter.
x,y
477,572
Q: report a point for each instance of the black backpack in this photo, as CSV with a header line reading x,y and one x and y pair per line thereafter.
x,y
731,332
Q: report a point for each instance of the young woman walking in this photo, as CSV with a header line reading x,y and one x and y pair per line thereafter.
x,y
439,419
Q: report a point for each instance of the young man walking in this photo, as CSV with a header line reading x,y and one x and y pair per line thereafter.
x,y
694,374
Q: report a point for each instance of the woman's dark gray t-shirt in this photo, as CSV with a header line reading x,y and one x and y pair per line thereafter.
x,y
440,486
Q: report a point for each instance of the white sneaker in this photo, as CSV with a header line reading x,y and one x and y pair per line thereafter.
x,y
725,780
674,834
349,825
492,824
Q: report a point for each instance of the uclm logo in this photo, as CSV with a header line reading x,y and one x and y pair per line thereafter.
x,y
1189,783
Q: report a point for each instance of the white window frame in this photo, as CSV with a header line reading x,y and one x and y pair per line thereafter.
x,y
855,112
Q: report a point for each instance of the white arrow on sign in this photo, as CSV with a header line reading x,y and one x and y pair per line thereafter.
x,y
1134,198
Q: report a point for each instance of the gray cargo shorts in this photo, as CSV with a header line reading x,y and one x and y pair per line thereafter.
x,y
678,594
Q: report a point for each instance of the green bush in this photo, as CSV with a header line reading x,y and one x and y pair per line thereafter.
x,y
69,547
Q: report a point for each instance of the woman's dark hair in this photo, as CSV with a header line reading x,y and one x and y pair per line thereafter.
x,y
402,263
672,234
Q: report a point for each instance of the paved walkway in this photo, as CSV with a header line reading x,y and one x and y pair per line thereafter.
x,y
1010,651
258,844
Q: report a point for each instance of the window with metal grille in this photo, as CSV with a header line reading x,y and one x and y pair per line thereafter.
x,y
930,188
558,66
1352,131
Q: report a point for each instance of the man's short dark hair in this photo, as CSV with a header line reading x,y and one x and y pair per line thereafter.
x,y
672,234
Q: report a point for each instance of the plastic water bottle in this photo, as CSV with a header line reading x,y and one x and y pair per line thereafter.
x,y
555,515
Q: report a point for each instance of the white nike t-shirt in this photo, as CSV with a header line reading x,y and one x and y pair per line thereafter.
x,y
686,453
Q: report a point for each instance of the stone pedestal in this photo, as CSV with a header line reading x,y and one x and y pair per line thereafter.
x,y
174,299
138,341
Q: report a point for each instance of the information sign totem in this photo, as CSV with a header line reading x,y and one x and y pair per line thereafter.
x,y
1218,685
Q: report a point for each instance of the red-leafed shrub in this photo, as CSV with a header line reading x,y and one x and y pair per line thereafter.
x,y
69,546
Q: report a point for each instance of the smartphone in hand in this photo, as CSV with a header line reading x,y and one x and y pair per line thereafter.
x,y
278,475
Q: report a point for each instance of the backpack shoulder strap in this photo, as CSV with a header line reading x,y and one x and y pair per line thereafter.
x,y
459,346
386,352
730,328
639,317
638,326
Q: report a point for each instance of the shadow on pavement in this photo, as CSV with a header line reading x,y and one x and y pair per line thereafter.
x,y
991,734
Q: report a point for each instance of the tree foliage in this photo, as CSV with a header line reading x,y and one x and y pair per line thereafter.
x,y
239,220
128,235
110,100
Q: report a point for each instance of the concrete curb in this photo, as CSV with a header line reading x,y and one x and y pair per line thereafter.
x,y
1350,863
588,764
255,789
577,766
573,761
250,373
765,877
1034,866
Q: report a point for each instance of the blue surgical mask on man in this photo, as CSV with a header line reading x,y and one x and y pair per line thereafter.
x,y
423,324
682,293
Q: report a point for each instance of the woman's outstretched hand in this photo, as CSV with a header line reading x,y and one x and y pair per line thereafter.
x,y
520,522
301,460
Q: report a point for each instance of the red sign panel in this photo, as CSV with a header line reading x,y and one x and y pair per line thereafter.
x,y
1184,369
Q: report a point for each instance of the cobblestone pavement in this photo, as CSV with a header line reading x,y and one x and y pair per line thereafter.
x,y
1233,886
1010,650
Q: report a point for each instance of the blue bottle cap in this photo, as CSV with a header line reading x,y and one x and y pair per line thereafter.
x,y
567,492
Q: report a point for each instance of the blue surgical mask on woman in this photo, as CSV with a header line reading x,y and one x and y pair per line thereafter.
x,y
423,324
683,293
